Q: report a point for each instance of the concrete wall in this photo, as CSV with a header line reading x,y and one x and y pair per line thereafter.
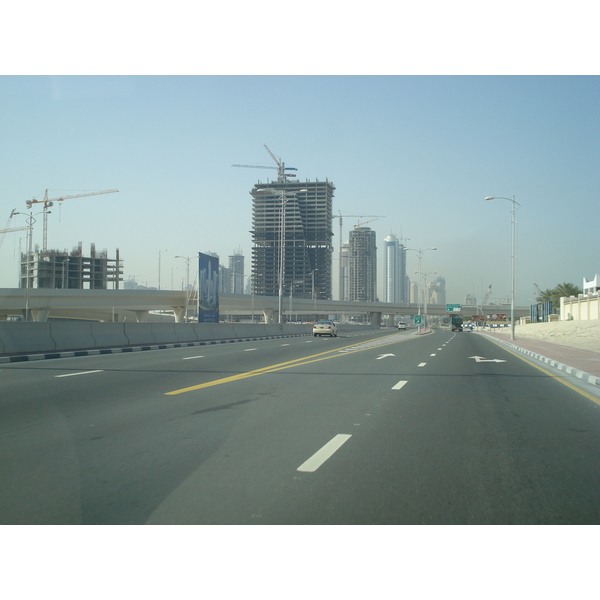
x,y
18,337
583,308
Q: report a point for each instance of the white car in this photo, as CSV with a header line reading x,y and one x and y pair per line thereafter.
x,y
402,325
325,328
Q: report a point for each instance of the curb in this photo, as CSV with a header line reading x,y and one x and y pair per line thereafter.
x,y
591,379
98,351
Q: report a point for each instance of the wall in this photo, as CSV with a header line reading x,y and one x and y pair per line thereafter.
x,y
582,308
18,337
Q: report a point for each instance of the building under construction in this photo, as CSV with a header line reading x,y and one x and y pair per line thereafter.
x,y
55,269
292,238
362,265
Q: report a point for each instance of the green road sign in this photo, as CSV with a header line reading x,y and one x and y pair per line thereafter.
x,y
418,319
453,307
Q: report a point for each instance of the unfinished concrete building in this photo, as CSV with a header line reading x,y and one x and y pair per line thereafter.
x,y
292,237
362,265
55,269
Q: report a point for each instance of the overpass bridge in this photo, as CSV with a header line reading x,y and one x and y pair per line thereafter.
x,y
168,305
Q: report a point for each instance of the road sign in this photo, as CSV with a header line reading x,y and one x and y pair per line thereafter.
x,y
453,307
418,319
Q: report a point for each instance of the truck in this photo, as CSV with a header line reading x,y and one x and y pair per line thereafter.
x,y
457,323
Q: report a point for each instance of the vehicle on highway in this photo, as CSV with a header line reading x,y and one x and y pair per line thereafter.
x,y
402,325
457,323
325,328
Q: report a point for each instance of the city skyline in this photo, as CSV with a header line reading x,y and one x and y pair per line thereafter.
x,y
423,152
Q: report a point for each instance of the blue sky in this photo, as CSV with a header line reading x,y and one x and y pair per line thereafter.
x,y
422,151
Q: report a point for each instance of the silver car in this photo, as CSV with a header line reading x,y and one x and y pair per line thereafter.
x,y
325,328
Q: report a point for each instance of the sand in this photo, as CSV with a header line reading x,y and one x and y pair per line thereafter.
x,y
576,334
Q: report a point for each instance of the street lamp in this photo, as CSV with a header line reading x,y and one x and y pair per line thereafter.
x,y
313,292
513,252
285,196
30,222
419,252
424,275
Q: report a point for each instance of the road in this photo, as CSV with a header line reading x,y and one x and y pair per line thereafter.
x,y
382,427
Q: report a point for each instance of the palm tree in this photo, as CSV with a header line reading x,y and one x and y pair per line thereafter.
x,y
560,291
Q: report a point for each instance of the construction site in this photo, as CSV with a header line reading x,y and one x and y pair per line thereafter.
x,y
56,269
292,236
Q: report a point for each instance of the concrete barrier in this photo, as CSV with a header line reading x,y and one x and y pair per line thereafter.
x,y
139,334
108,335
185,333
19,337
70,336
164,333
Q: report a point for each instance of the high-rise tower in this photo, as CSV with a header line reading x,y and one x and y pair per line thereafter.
x,y
362,265
292,221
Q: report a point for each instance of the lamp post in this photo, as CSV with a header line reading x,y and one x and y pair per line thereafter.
x,y
424,275
30,222
513,252
159,266
419,252
313,292
187,259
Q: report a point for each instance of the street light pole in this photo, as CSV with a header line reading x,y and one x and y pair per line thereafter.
x,y
419,252
513,252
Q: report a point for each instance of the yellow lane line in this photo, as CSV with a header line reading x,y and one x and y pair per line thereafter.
x,y
557,377
286,365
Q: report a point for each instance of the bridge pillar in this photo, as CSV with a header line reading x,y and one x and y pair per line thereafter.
x,y
141,316
40,314
179,313
375,318
269,315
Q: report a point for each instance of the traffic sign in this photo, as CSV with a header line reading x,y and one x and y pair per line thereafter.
x,y
418,319
453,307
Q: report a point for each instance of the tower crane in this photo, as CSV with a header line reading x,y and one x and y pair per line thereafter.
x,y
341,218
8,229
48,202
280,168
359,224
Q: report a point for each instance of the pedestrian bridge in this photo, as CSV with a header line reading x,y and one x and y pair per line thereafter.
x,y
168,305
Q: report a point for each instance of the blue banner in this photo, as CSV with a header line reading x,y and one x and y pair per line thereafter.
x,y
208,288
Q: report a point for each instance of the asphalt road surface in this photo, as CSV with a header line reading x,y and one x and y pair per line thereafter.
x,y
367,428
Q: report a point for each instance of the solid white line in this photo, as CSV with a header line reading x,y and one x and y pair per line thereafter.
x,y
422,364
81,373
192,357
319,457
400,385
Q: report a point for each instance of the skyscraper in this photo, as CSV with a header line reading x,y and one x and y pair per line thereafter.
x,y
362,265
295,217
394,270
236,266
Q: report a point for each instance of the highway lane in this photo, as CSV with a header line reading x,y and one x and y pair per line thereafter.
x,y
415,431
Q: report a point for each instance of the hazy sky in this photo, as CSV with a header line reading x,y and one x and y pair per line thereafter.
x,y
422,151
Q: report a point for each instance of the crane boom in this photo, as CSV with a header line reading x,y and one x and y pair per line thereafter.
x,y
48,202
280,168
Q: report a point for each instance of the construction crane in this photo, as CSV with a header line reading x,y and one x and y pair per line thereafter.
x,y
280,168
341,218
8,229
48,202
359,224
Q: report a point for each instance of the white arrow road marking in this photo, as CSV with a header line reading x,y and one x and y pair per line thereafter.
x,y
400,385
481,359
384,356
81,373
319,457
